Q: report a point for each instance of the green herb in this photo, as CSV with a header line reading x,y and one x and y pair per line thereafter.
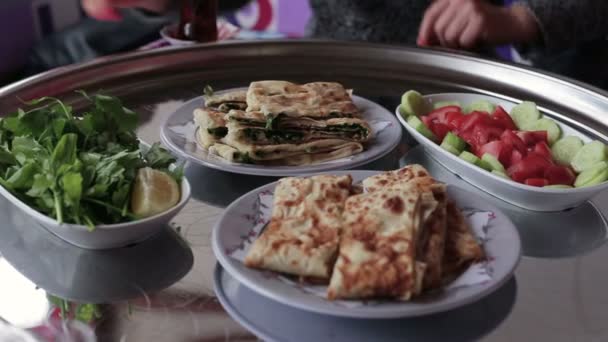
x,y
208,91
84,312
76,167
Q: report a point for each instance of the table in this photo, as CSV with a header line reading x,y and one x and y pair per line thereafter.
x,y
557,294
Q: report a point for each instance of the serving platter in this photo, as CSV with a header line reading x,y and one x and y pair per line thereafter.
x,y
243,220
524,196
285,323
178,133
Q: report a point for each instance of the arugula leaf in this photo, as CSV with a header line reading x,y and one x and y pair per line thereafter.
x,y
158,158
65,151
24,177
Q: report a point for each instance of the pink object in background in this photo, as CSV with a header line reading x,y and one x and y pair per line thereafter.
x,y
288,17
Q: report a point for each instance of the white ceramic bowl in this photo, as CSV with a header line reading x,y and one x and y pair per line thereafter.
x,y
521,195
104,236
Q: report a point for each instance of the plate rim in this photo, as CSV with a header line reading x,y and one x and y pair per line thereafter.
x,y
287,171
232,311
495,284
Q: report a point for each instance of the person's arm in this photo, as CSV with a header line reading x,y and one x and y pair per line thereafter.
x,y
566,23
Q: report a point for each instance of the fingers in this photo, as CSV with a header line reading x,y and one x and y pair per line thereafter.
x,y
101,10
426,34
454,23
454,30
472,34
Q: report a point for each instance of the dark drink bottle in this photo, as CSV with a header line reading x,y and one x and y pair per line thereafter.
x,y
198,21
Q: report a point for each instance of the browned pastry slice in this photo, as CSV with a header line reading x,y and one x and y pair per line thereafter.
x,y
377,256
433,233
461,246
303,234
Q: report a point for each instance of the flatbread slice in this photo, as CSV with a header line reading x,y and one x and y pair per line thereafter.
x,y
226,101
211,126
377,256
232,154
281,151
461,246
303,234
315,100
432,241
253,127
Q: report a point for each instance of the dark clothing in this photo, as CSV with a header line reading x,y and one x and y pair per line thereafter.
x,y
573,31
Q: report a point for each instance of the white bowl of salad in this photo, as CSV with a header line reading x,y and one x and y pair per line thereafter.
x,y
510,150
86,177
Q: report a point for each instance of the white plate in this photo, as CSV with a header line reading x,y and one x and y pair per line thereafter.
x,y
521,195
178,134
235,231
284,323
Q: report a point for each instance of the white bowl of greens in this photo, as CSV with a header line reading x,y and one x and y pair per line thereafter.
x,y
587,159
75,174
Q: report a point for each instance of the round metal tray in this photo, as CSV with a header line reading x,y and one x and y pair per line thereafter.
x,y
372,70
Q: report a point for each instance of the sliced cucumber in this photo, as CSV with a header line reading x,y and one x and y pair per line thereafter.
x,y
469,157
412,103
419,126
525,114
566,148
441,104
454,141
546,124
484,165
479,106
558,186
500,174
594,175
449,148
588,156
494,163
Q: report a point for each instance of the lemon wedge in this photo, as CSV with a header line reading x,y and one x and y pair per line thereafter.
x,y
153,192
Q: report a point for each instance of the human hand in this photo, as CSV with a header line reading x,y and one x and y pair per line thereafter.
x,y
463,24
107,9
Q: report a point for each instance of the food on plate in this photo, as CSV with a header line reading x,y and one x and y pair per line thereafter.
x,y
524,146
214,125
398,237
433,230
303,233
461,246
322,100
84,168
378,245
227,101
283,123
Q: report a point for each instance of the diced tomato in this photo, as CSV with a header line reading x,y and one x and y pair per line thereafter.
x,y
441,114
510,137
543,149
455,119
540,182
532,166
530,138
498,149
516,157
474,119
428,122
558,174
483,134
439,129
503,118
